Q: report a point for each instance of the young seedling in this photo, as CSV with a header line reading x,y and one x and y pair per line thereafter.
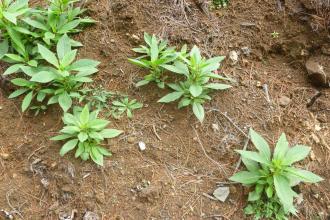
x,y
275,34
273,175
97,98
194,90
220,3
85,131
154,55
125,105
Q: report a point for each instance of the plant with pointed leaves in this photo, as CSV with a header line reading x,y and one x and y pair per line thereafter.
x,y
85,131
272,176
155,55
125,105
220,3
60,18
61,82
195,89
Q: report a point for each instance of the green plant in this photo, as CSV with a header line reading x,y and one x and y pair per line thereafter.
x,y
194,90
125,105
275,34
155,54
273,175
270,209
220,3
61,81
96,98
85,132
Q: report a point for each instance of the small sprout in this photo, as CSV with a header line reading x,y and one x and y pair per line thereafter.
x,y
275,34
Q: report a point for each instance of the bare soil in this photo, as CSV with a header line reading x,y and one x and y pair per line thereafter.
x,y
184,160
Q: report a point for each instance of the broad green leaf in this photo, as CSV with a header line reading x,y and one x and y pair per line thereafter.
x,y
82,136
3,48
198,111
98,124
68,58
195,90
304,175
254,156
217,86
63,46
104,151
154,49
83,64
295,154
10,16
43,77
20,82
35,24
284,192
68,146
84,115
178,67
254,196
269,191
96,156
48,55
65,101
171,97
60,137
282,146
16,38
110,133
12,69
79,150
250,164
69,119
70,130
245,177
15,57
27,101
261,144
17,93
142,83
138,63
69,27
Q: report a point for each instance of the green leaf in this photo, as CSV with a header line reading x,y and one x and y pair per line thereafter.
x,y
284,192
60,137
48,55
84,115
12,69
250,164
63,46
15,57
20,82
245,177
27,101
96,156
282,146
98,124
16,38
154,49
269,191
198,111
254,196
142,83
261,144
10,16
68,58
217,86
304,175
296,153
70,130
138,63
195,90
83,64
68,146
35,24
69,27
104,151
65,101
82,136
69,119
79,150
178,67
110,133
171,97
43,77
254,156
3,48
17,93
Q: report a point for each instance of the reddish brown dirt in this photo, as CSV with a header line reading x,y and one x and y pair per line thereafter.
x,y
167,181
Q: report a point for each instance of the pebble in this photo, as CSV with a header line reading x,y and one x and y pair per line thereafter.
x,y
131,140
4,156
233,56
317,73
284,101
142,146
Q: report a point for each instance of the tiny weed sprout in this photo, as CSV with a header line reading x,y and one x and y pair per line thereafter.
x,y
194,90
220,3
85,131
125,105
273,175
96,98
61,81
154,55
275,34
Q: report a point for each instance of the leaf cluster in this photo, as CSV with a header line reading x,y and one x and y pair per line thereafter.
x,y
85,131
273,175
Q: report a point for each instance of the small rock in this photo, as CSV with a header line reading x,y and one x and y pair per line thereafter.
x,y
284,101
0,107
221,193
44,182
316,73
91,216
131,140
149,194
112,40
315,138
142,146
246,51
317,127
4,156
312,155
233,56
215,127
